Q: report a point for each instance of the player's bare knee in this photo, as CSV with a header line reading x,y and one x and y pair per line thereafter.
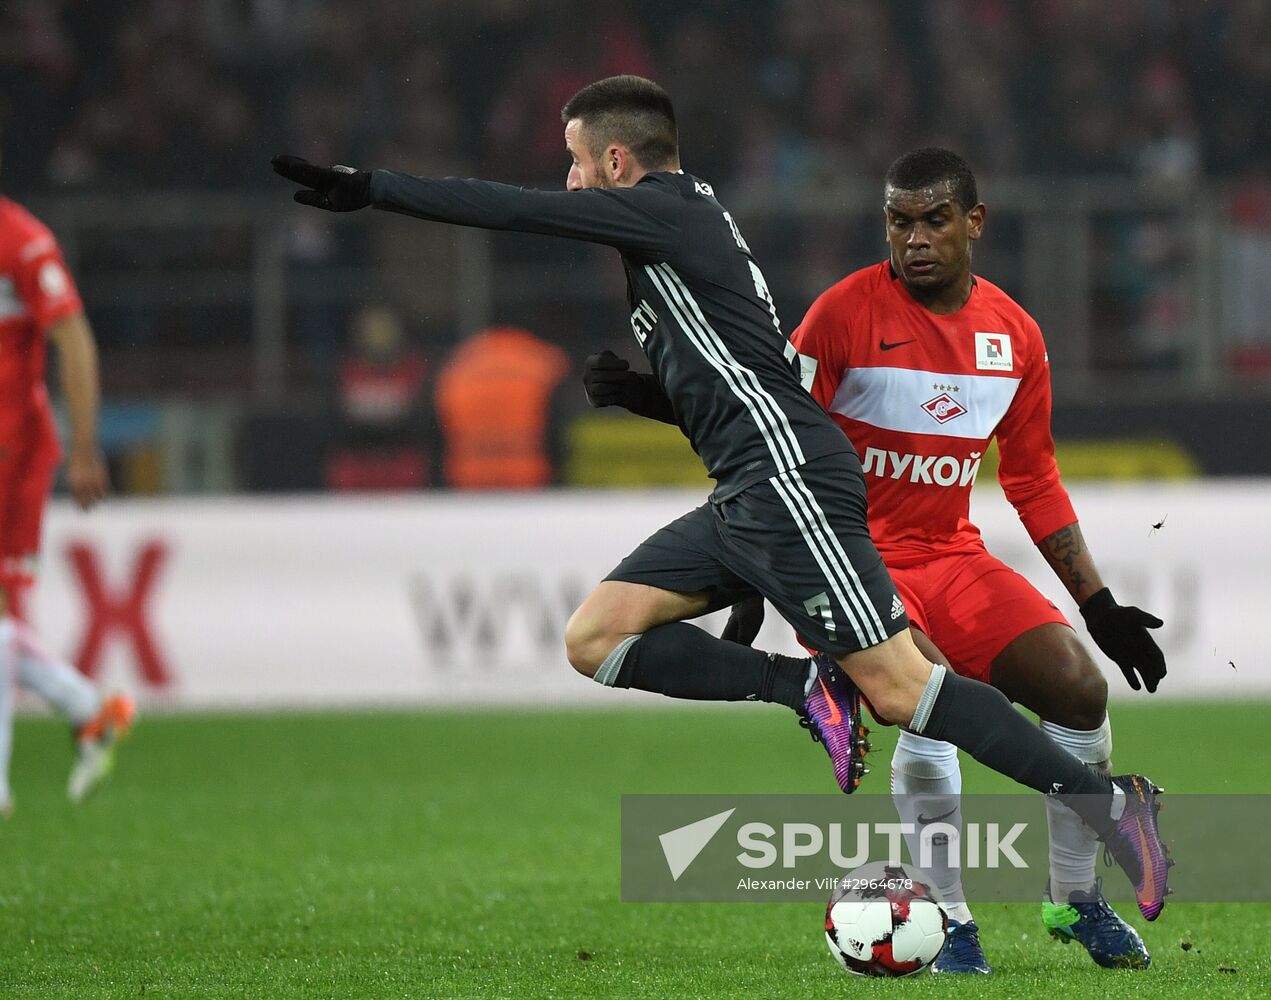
x,y
584,643
1080,699
892,675
896,705
891,696
1088,702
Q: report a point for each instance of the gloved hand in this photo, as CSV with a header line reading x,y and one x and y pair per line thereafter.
x,y
337,189
606,377
1121,632
743,624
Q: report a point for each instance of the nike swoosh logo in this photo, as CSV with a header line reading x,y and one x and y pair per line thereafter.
x,y
884,346
835,715
924,820
1149,877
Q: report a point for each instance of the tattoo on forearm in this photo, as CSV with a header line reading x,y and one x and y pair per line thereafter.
x,y
1064,546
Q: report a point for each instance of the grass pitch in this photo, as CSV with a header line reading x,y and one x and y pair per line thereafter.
x,y
476,854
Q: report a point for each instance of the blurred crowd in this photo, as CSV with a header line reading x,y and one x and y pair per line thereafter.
x,y
199,92
116,97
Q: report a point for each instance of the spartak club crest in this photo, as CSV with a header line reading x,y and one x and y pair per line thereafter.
x,y
943,408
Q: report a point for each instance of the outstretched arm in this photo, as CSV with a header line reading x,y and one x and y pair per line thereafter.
x,y
645,218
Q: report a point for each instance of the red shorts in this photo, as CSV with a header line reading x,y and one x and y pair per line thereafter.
x,y
26,479
972,607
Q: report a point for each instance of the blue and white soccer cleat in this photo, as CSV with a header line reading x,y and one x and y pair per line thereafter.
x,y
962,953
1089,918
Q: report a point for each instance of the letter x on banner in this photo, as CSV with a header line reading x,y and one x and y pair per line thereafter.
x,y
124,612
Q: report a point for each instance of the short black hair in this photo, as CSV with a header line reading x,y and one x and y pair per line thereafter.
x,y
629,110
933,165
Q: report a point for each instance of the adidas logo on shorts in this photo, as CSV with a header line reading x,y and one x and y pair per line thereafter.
x,y
897,609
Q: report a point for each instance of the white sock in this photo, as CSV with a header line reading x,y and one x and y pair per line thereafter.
x,y
54,680
926,781
1073,845
8,653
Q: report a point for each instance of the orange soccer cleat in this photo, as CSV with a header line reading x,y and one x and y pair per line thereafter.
x,y
95,744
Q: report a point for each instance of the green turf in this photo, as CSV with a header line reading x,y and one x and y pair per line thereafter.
x,y
459,854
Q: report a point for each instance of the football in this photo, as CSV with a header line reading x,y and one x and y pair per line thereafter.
x,y
883,921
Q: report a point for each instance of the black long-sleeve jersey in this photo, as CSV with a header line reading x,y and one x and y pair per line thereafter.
x,y
700,307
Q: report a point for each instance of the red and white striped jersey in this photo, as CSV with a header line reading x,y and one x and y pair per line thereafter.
x,y
36,291
921,395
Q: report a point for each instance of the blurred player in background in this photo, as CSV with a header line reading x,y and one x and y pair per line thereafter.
x,y
787,517
39,304
922,364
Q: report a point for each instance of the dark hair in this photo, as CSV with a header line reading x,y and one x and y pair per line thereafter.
x,y
629,110
932,165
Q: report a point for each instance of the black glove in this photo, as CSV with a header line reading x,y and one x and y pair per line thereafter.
x,y
1121,632
610,382
743,624
606,378
337,189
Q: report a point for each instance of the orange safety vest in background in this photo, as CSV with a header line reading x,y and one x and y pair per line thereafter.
x,y
493,400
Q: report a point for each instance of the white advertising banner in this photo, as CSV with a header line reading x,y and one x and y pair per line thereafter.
x,y
453,598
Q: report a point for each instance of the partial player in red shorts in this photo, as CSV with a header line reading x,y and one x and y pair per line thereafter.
x,y
922,364
39,304
973,606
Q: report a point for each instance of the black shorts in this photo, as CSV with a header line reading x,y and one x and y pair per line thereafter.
x,y
800,539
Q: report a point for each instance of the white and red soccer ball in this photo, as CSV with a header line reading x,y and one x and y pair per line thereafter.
x,y
884,921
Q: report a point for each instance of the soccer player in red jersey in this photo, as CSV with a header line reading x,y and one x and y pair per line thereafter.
x,y
39,304
922,364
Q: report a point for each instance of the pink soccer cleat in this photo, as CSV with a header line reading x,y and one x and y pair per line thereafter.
x,y
832,714
1136,846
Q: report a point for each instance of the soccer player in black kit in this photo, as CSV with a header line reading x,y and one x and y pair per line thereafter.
x,y
787,517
